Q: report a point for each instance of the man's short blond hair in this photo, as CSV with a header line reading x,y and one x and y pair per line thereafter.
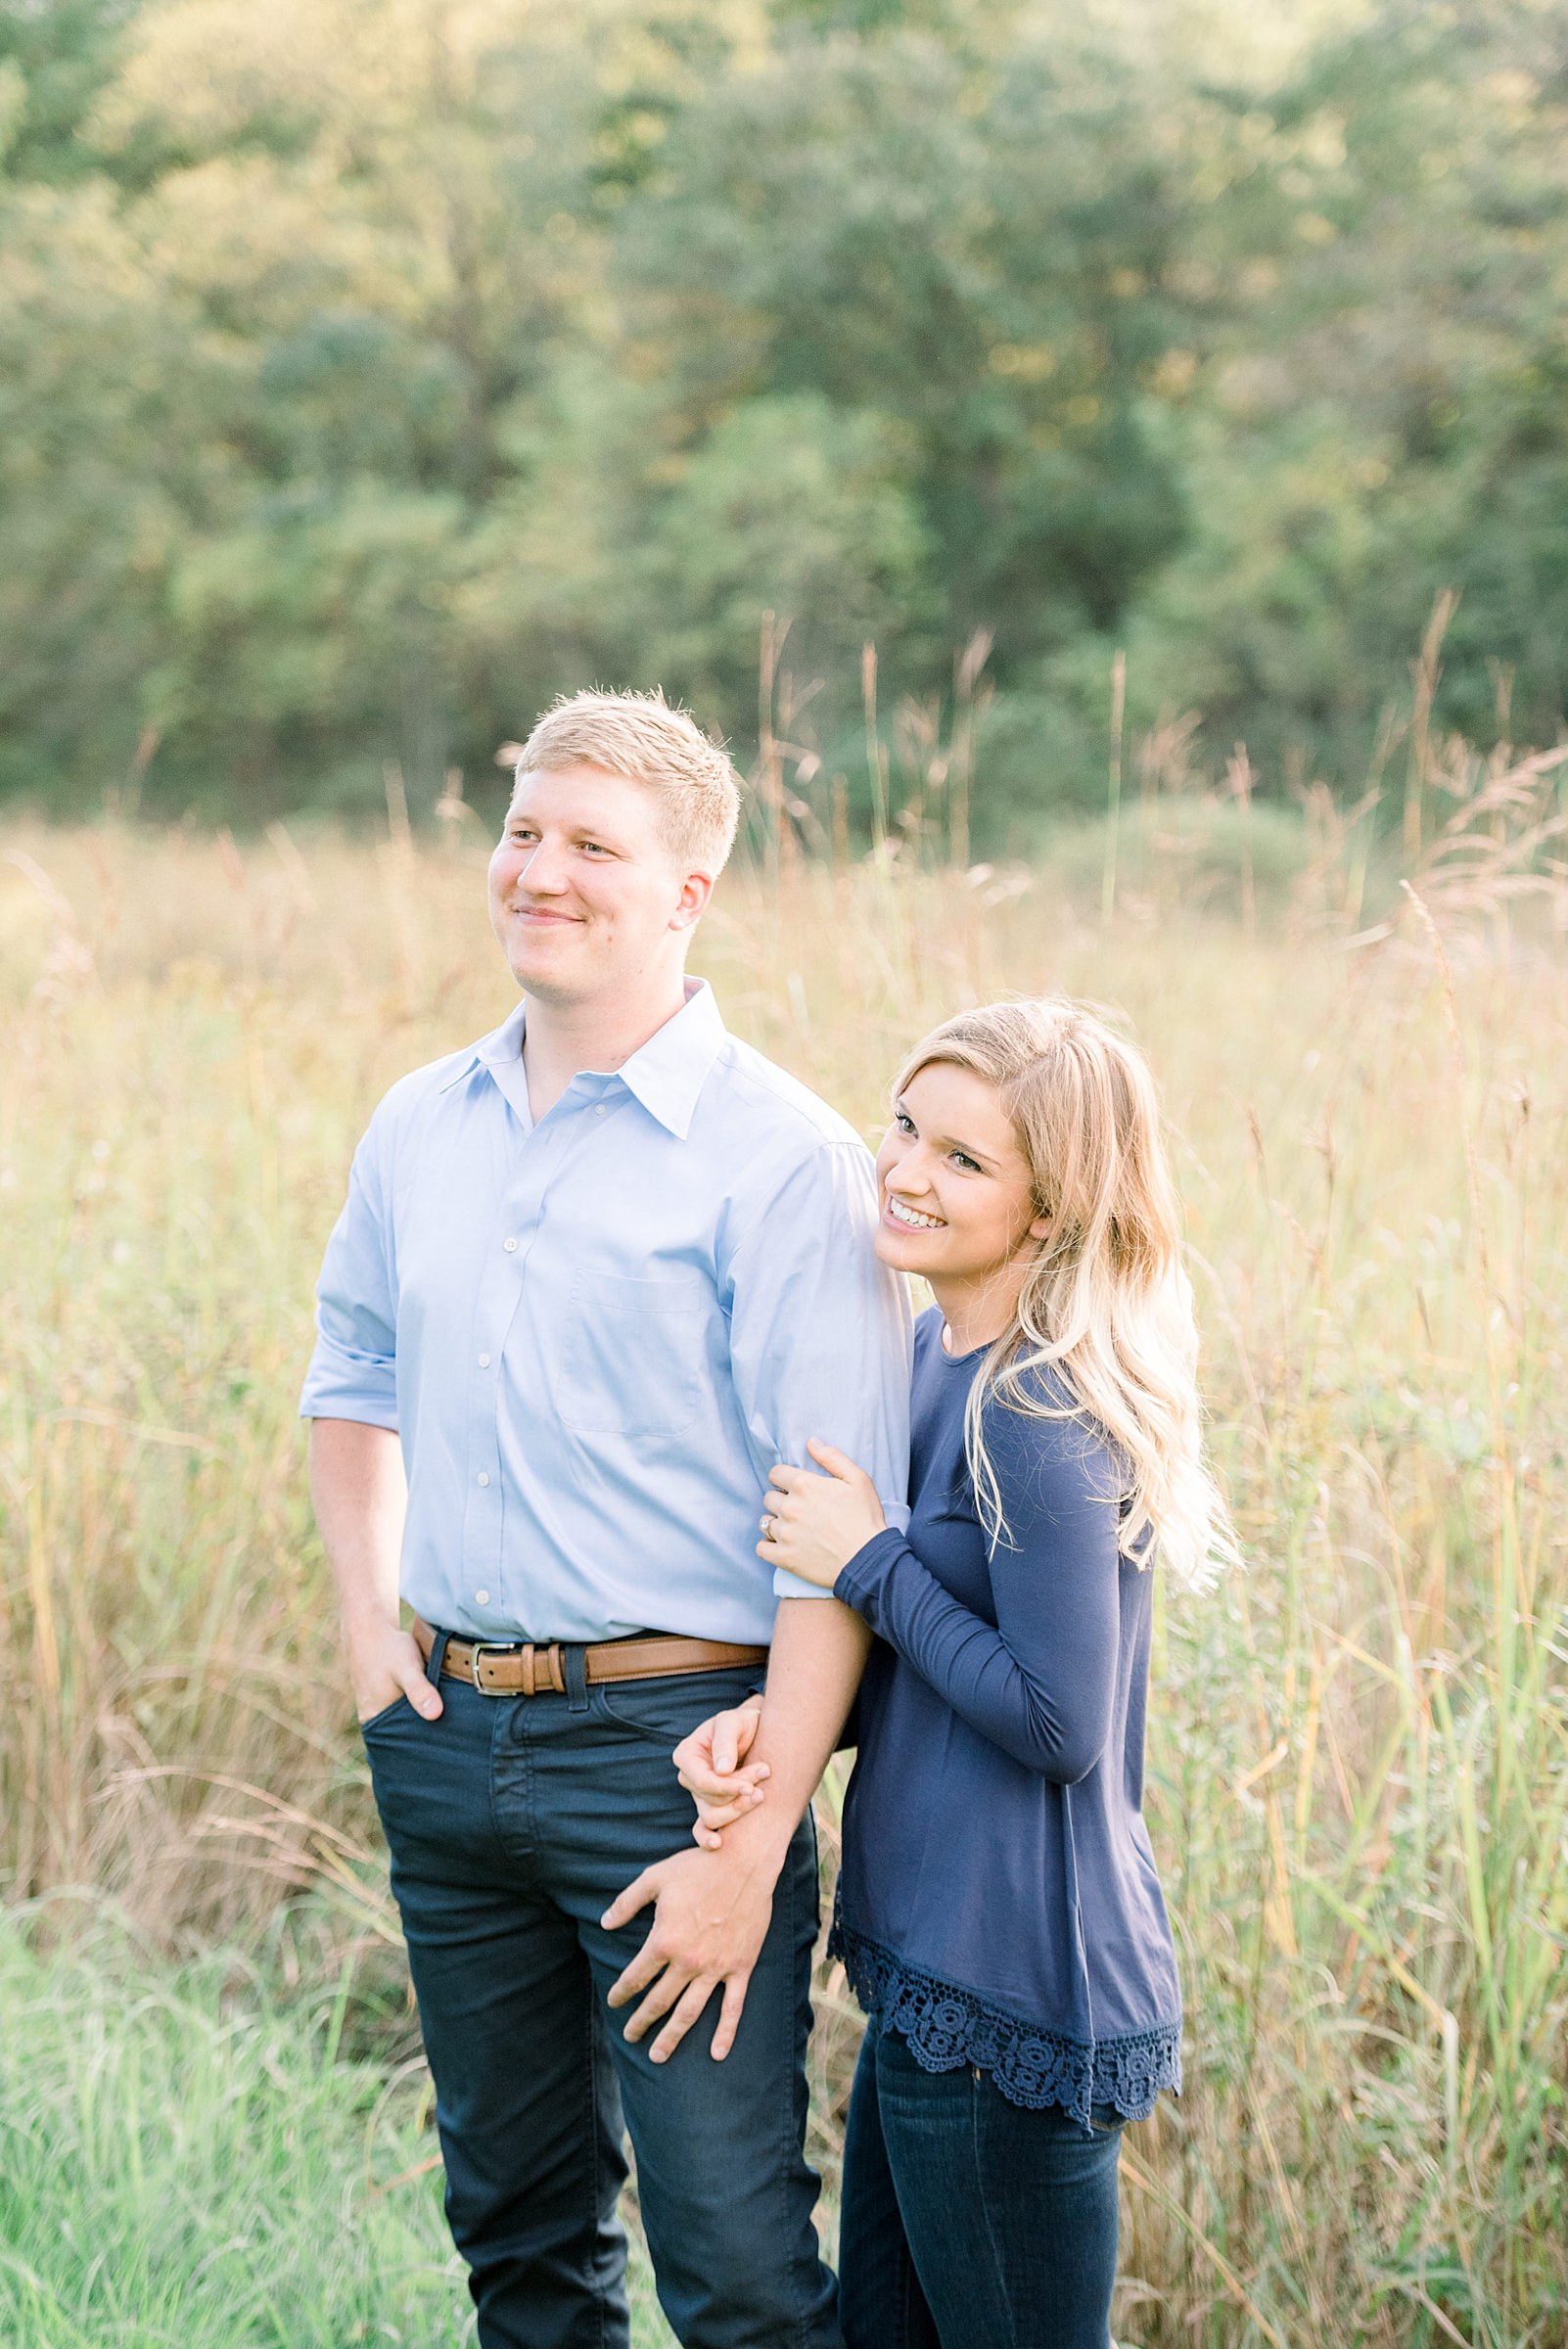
x,y
638,735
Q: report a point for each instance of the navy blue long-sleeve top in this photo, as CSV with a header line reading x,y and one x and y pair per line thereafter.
x,y
998,1902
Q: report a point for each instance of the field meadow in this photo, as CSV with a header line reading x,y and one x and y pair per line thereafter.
x,y
214,2120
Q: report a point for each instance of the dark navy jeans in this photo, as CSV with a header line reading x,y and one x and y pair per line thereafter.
x,y
512,1823
968,2222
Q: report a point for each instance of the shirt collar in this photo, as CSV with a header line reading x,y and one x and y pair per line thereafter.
x,y
665,1075
671,1068
492,1051
502,1044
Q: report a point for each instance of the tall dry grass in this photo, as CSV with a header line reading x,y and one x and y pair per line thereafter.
x,y
1358,1775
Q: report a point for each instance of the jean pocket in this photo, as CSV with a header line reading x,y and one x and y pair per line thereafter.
x,y
386,1715
667,1711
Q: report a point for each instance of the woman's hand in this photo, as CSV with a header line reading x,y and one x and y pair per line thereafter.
x,y
815,1524
709,1762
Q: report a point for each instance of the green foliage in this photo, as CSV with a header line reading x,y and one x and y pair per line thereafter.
x,y
373,370
1381,422
184,2155
792,504
181,2159
884,224
53,60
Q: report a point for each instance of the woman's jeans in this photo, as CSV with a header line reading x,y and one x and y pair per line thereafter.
x,y
969,2223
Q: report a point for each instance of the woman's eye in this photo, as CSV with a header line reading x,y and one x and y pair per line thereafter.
x,y
971,1166
903,1122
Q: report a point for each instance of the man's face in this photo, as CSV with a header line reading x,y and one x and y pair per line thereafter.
x,y
587,898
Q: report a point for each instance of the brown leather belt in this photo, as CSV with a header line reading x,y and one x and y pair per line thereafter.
x,y
527,1670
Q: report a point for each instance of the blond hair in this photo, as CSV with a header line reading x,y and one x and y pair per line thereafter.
x,y
1106,1305
639,736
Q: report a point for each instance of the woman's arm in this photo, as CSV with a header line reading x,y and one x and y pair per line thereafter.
x,y
1041,1683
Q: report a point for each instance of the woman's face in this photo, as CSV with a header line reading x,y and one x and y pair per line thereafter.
x,y
957,1204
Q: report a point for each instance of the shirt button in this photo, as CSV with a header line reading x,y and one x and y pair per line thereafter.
x,y
483,1477
600,1111
483,1362
510,1246
481,1598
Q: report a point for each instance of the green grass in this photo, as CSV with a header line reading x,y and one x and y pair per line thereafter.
x,y
189,2160
187,2164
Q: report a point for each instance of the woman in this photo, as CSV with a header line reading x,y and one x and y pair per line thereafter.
x,y
999,1914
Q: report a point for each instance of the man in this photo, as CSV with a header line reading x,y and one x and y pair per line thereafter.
x,y
594,1275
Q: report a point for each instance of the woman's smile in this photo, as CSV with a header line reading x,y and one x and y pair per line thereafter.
x,y
911,1219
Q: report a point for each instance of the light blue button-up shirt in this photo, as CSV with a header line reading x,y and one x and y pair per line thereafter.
x,y
595,1333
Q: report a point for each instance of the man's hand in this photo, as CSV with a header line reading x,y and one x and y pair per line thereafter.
x,y
356,1482
709,1763
710,1917
384,1662
713,1907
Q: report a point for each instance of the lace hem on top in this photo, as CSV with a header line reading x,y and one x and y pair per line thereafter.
x,y
946,2028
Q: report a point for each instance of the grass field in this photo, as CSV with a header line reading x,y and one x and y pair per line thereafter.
x,y
1358,1773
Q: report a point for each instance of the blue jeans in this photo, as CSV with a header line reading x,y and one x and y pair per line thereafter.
x,y
968,2222
512,1823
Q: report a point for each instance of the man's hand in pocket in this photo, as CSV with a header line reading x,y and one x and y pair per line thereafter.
x,y
384,1664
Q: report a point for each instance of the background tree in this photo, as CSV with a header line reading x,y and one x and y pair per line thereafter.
x,y
371,370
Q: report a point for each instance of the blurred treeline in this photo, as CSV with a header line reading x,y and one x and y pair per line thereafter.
x,y
371,370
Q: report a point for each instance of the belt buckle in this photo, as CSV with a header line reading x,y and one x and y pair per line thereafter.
x,y
497,1647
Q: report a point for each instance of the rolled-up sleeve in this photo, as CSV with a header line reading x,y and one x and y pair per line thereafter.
x,y
353,1370
820,1331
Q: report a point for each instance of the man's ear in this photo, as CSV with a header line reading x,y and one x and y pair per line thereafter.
x,y
692,904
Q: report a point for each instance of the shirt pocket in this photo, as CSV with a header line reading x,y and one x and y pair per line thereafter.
x,y
631,1356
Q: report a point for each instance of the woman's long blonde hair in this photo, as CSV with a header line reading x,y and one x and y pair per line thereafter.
x,y
1107,1304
